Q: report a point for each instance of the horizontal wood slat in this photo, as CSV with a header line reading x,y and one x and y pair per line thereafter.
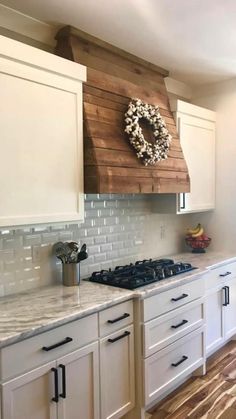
x,y
118,143
114,77
128,159
104,114
125,88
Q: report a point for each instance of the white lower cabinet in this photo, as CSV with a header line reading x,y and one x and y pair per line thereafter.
x,y
214,322
172,363
117,373
30,395
64,389
221,307
230,309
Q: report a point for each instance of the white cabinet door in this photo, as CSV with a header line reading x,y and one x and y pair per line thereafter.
x,y
230,309
29,396
197,137
214,320
117,373
41,159
79,389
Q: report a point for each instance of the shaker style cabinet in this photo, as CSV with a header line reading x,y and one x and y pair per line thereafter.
x,y
41,160
54,375
220,306
117,360
67,388
196,128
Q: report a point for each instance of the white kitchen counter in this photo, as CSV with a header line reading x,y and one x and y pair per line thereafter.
x,y
27,314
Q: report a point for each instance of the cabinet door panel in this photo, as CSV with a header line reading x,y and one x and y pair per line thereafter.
x,y
214,320
117,374
197,139
82,384
30,395
230,310
41,150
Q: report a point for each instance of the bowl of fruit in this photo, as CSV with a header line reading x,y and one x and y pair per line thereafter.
x,y
197,239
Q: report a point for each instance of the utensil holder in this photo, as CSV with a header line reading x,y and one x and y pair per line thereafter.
x,y
70,274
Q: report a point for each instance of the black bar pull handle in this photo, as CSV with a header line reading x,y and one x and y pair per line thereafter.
x,y
179,298
63,369
180,324
118,319
225,303
56,345
176,364
184,204
56,396
119,337
226,274
227,289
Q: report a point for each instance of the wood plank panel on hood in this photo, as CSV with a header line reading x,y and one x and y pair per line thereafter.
x,y
114,77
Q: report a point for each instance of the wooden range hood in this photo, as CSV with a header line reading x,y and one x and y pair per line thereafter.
x,y
114,77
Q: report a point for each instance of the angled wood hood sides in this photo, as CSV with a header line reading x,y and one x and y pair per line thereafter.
x,y
113,78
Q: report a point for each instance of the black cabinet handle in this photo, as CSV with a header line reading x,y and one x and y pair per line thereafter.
x,y
225,296
179,298
56,396
226,274
183,206
228,302
125,315
176,364
63,342
63,369
119,337
180,324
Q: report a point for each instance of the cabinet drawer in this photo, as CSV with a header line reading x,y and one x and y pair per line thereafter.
x,y
171,299
219,275
164,330
172,364
115,318
28,354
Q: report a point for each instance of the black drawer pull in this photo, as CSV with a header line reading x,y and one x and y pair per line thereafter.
x,y
125,315
56,396
225,303
176,364
226,274
226,296
179,298
180,324
119,337
63,342
63,369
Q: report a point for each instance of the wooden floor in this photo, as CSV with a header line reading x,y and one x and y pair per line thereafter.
x,y
210,397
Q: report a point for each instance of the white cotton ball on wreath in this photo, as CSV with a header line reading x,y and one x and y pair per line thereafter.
x,y
149,152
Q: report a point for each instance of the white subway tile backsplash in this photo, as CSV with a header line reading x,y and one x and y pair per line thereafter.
x,y
118,229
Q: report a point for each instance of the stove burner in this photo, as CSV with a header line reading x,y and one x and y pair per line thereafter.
x,y
141,273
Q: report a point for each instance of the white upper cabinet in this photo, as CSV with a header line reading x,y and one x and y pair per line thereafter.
x,y
41,159
196,128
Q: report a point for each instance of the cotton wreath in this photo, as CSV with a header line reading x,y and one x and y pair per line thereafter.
x,y
149,152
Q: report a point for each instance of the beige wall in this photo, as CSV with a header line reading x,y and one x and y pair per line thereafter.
x,y
221,224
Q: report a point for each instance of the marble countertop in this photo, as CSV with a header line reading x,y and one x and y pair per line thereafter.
x,y
27,314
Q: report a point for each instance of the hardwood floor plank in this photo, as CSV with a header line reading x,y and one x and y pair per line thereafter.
x,y
221,405
207,403
229,413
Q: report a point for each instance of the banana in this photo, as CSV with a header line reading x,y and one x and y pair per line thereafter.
x,y
199,233
194,230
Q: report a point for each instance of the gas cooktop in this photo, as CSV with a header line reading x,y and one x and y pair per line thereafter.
x,y
140,273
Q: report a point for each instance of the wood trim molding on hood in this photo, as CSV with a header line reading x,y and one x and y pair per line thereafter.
x,y
113,78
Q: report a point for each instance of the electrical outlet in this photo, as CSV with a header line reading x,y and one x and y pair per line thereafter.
x,y
36,254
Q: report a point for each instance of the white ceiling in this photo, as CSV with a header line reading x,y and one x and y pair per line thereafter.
x,y
194,39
